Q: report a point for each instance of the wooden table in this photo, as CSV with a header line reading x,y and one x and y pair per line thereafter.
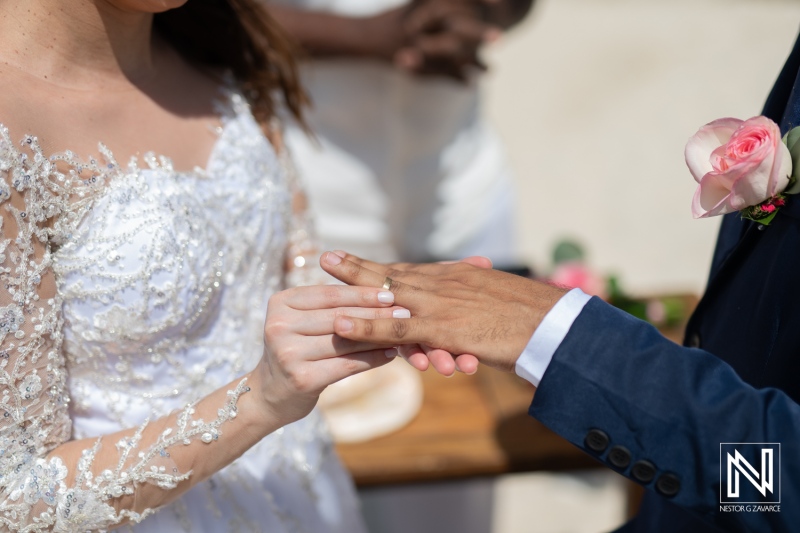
x,y
471,426
468,426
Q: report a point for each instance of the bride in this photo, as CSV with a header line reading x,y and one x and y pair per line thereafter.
x,y
136,371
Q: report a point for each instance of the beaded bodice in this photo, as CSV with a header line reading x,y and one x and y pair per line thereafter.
x,y
165,281
129,292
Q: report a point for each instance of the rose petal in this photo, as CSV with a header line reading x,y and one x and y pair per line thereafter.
x,y
705,141
734,173
752,187
711,197
773,151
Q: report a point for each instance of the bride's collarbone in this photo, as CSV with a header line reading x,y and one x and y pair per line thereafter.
x,y
129,123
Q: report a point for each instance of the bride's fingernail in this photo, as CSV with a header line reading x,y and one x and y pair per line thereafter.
x,y
386,297
340,253
391,353
332,259
345,325
401,313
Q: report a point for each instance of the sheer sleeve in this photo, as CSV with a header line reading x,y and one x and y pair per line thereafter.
x,y
303,252
47,481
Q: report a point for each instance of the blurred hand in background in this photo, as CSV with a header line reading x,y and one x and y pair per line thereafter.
x,y
423,37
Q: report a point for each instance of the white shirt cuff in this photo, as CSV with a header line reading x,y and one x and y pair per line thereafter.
x,y
537,355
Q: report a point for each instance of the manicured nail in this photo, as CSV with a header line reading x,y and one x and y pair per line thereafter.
x,y
340,253
391,353
332,259
345,325
386,297
401,313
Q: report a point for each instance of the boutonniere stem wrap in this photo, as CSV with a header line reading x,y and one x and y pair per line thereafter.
x,y
745,166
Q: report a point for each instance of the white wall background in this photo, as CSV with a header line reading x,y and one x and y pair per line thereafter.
x,y
595,100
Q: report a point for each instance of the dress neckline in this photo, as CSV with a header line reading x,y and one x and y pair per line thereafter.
x,y
103,167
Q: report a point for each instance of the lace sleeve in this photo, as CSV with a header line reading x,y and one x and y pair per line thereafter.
x,y
47,482
303,252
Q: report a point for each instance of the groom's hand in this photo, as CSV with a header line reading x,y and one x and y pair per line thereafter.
x,y
421,356
459,308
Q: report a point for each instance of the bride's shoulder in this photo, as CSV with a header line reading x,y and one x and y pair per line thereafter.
x,y
29,109
12,153
20,122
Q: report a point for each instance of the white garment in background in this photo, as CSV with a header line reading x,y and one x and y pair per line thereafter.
x,y
163,279
404,167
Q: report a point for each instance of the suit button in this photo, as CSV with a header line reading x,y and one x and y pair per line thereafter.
x,y
619,456
694,340
668,485
643,471
596,440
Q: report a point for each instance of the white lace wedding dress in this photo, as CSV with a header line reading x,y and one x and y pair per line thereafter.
x,y
161,284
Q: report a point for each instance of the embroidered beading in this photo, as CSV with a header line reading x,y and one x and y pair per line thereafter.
x,y
127,293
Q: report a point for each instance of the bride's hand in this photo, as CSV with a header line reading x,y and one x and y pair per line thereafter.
x,y
302,355
420,356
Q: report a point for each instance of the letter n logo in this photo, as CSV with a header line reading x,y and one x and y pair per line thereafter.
x,y
750,472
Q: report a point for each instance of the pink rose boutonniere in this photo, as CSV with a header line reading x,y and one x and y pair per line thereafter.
x,y
745,166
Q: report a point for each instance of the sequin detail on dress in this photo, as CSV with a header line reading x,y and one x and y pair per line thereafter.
x,y
126,294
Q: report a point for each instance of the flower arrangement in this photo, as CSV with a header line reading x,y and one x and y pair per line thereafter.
x,y
570,269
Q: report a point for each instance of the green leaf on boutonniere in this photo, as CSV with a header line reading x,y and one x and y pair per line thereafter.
x,y
792,141
763,221
793,187
764,212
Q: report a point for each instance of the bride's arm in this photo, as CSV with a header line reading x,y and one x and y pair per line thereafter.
x,y
49,483
157,462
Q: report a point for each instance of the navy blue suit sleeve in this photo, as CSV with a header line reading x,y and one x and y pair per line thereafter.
x,y
669,405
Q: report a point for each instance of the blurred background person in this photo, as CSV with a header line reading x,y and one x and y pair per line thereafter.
x,y
403,165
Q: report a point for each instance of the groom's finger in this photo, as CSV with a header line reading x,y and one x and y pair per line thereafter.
x,y
357,275
441,360
478,261
421,268
438,267
350,272
467,363
414,356
383,269
383,331
378,268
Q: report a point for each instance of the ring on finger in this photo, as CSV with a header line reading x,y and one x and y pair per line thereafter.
x,y
387,283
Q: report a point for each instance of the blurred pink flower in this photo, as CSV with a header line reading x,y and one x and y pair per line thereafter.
x,y
574,274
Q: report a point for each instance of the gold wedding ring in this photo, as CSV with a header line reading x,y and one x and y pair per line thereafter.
x,y
387,283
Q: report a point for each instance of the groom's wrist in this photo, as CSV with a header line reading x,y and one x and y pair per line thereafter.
x,y
535,358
